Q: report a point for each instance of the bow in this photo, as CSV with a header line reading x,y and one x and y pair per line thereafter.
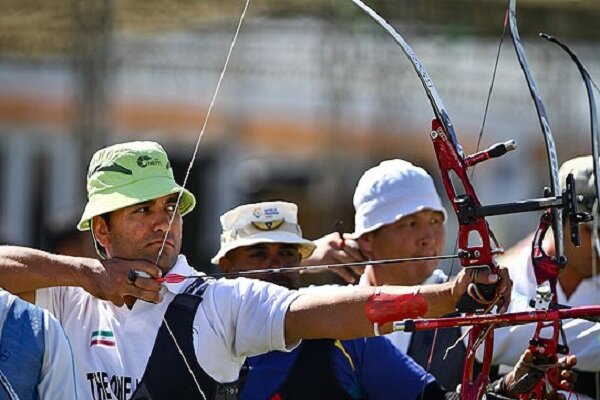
x,y
451,160
551,344
471,214
546,268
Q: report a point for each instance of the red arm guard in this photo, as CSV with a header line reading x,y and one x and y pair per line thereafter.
x,y
382,308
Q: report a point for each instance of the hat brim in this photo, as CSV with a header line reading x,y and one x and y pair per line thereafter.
x,y
305,247
134,193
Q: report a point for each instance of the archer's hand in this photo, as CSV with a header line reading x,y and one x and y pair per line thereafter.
x,y
531,368
483,276
330,251
109,280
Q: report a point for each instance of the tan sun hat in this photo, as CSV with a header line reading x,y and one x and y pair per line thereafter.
x,y
267,222
130,173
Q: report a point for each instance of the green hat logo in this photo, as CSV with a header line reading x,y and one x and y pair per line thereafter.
x,y
144,161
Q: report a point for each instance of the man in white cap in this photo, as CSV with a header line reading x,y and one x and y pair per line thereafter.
x,y
326,369
578,285
399,214
193,342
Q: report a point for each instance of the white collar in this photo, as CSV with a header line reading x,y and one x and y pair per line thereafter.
x,y
181,267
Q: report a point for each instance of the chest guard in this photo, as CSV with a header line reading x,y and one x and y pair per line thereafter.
x,y
166,376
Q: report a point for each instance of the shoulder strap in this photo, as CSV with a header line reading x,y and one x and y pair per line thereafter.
x,y
166,376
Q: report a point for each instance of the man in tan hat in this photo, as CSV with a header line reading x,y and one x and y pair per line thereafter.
x,y
578,285
193,341
326,369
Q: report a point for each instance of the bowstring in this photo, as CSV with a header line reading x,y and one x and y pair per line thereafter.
x,y
491,89
203,129
187,175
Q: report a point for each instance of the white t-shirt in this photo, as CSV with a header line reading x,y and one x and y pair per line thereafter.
x,y
582,336
57,380
236,318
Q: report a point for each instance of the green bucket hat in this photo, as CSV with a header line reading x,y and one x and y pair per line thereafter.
x,y
130,173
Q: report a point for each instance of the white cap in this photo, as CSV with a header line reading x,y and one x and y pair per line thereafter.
x,y
390,191
267,222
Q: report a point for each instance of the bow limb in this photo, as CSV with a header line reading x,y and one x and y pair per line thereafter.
x,y
451,160
557,224
595,133
434,99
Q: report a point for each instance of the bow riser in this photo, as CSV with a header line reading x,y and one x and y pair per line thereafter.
x,y
449,162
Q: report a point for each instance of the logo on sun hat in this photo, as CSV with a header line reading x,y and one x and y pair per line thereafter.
x,y
269,225
130,173
390,191
267,222
144,161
